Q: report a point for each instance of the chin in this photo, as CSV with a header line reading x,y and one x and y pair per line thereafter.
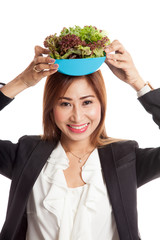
x,y
77,137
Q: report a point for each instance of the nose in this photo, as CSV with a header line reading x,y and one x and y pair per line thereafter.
x,y
77,114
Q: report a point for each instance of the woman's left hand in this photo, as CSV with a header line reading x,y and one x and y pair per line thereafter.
x,y
121,64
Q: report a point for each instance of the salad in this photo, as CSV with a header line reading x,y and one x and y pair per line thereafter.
x,y
76,42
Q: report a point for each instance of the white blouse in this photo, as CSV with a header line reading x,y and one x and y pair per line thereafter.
x,y
57,212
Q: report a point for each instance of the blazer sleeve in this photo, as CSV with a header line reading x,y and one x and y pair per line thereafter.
x,y
8,151
151,102
4,100
148,159
7,148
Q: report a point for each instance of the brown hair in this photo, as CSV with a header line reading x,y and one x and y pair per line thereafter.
x,y
56,85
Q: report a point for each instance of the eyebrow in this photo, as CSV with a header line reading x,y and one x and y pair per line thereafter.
x,y
70,99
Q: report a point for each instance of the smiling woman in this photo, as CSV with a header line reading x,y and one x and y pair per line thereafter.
x,y
74,182
83,113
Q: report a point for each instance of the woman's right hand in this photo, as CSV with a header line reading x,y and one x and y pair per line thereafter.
x,y
40,67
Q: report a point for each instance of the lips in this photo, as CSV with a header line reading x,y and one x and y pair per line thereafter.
x,y
78,128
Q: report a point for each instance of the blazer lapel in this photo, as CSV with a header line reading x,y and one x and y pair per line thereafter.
x,y
110,175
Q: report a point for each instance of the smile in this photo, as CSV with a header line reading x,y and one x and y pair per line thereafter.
x,y
78,128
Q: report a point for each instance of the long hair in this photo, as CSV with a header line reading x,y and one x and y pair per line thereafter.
x,y
56,85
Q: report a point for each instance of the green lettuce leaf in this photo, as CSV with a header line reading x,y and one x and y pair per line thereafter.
x,y
77,42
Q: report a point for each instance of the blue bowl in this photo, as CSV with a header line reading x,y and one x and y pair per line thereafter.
x,y
79,67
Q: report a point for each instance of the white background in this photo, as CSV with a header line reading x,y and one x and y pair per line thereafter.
x,y
24,24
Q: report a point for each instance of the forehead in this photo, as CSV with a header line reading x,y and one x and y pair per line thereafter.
x,y
80,86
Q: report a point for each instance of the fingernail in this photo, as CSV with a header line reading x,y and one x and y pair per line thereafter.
x,y
52,60
109,56
107,49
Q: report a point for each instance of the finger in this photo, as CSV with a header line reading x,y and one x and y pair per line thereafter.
x,y
117,64
115,46
116,57
41,59
42,67
39,51
48,73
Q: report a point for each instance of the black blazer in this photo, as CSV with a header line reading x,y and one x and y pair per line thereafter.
x,y
125,167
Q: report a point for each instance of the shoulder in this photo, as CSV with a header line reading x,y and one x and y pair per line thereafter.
x,y
30,139
124,144
123,148
28,143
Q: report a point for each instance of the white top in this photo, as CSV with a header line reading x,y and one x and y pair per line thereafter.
x,y
56,212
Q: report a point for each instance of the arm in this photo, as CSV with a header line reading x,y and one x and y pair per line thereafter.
x,y
31,76
148,159
121,64
39,68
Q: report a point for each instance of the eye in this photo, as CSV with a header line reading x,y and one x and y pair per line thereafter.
x,y
65,104
87,102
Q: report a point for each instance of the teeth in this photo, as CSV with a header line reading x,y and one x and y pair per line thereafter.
x,y
79,127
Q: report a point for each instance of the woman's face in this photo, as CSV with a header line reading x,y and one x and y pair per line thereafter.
x,y
77,113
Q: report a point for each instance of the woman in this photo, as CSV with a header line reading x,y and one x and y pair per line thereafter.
x,y
74,182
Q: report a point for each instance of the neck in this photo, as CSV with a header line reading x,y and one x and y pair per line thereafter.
x,y
79,147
